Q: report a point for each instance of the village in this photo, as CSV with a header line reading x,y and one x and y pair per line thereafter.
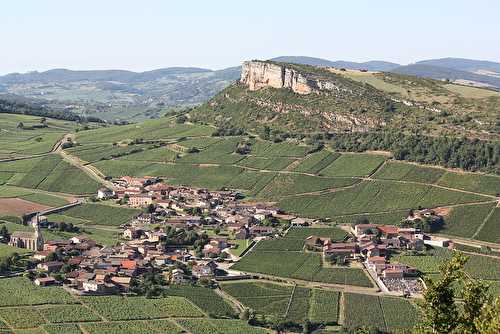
x,y
178,237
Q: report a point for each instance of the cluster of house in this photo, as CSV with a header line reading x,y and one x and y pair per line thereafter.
x,y
372,244
90,268
193,208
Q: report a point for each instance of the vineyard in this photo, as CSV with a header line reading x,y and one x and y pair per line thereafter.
x,y
138,308
99,214
302,266
464,221
409,172
485,184
383,313
51,173
206,299
353,165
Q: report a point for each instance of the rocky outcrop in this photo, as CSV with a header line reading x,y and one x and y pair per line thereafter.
x,y
259,74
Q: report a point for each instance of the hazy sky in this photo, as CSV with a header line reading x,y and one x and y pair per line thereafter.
x,y
148,34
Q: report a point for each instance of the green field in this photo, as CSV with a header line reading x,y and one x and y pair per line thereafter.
x,y
6,250
315,162
261,163
324,306
478,266
483,184
206,299
334,233
390,218
161,129
137,308
383,313
31,139
265,298
373,197
45,199
51,173
489,231
20,291
219,326
353,165
464,221
93,153
100,214
409,172
298,265
290,184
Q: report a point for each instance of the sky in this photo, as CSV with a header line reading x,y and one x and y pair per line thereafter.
x,y
143,35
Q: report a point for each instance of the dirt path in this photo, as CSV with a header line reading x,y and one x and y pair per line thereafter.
x,y
480,227
87,169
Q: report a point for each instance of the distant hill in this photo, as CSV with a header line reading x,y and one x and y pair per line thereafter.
x,y
425,70
462,64
118,94
64,75
374,65
464,71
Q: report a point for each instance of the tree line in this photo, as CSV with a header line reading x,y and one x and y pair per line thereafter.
x,y
33,109
464,153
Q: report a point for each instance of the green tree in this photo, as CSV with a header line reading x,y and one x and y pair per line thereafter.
x,y
441,311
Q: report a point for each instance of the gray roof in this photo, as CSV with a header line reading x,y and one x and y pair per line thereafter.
x,y
24,235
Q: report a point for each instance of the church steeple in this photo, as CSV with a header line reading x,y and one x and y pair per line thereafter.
x,y
38,234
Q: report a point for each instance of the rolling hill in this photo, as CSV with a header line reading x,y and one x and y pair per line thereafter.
x,y
119,95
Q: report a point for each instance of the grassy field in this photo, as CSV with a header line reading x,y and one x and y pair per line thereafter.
x,y
298,265
20,291
384,313
6,250
93,153
315,162
219,326
291,184
463,221
45,199
206,299
324,306
334,233
267,299
100,214
138,308
390,218
484,184
489,232
161,129
261,163
373,197
409,172
31,139
353,165
50,173
478,266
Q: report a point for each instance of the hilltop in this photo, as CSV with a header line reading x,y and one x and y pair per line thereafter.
x,y
307,99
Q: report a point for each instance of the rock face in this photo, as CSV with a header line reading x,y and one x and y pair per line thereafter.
x,y
260,74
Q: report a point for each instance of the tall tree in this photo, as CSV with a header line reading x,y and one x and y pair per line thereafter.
x,y
442,313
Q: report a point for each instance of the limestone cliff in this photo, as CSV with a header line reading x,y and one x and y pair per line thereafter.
x,y
258,74
300,98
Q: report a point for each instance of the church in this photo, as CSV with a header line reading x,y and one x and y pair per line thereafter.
x,y
29,240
